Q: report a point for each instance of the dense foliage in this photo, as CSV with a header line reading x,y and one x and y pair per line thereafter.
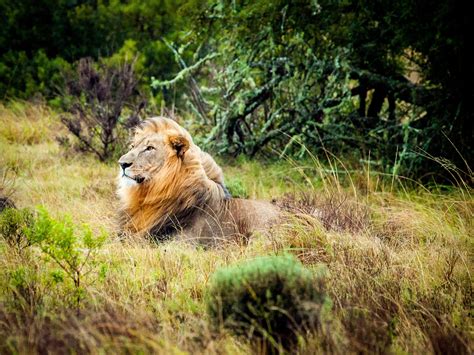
x,y
385,82
38,39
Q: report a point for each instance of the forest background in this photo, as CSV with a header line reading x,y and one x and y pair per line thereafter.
x,y
385,83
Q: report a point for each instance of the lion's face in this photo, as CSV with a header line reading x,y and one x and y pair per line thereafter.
x,y
148,154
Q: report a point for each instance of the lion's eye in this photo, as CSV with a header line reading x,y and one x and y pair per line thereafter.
x,y
150,147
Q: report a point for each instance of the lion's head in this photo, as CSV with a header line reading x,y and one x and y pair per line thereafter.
x,y
154,144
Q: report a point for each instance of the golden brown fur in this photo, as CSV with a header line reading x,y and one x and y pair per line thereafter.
x,y
169,186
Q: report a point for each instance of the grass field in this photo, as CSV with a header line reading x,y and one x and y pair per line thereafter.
x,y
399,257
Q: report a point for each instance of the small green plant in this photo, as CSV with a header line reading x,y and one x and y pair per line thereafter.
x,y
12,226
237,188
72,251
269,299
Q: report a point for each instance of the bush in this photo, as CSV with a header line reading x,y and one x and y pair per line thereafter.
x,y
270,300
33,75
95,100
12,226
71,249
237,188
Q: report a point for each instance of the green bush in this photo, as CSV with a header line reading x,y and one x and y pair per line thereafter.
x,y
25,75
12,226
237,188
270,299
72,250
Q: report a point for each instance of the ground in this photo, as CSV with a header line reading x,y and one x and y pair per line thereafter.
x,y
398,256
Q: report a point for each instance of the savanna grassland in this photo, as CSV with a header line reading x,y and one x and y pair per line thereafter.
x,y
398,256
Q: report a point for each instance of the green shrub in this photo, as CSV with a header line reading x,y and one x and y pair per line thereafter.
x,y
71,249
237,188
269,299
12,226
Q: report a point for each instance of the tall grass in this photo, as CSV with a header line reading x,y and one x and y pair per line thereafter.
x,y
398,254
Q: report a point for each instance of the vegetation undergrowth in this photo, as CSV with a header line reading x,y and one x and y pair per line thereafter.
x,y
398,256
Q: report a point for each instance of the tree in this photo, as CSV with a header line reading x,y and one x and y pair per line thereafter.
x,y
336,75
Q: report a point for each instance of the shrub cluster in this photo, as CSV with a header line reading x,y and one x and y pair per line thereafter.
x,y
269,299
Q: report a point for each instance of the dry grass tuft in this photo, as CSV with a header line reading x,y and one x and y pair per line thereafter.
x,y
336,211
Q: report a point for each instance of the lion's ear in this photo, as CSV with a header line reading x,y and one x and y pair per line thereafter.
x,y
179,143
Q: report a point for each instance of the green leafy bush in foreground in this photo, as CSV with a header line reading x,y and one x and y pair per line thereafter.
x,y
270,299
69,249
61,243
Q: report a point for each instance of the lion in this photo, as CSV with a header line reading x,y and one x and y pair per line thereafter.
x,y
168,187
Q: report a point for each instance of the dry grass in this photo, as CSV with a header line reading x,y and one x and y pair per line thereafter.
x,y
26,124
399,259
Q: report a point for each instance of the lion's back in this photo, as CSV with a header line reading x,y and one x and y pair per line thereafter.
x,y
237,219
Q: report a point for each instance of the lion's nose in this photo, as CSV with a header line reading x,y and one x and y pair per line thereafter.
x,y
125,165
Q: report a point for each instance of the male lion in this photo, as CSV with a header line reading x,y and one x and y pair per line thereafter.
x,y
169,187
